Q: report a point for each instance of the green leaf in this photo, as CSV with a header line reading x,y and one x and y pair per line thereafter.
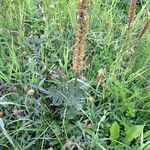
x,y
133,132
147,134
147,147
90,132
1,123
6,134
131,109
115,131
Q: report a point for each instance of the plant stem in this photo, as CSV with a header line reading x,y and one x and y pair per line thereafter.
x,y
76,79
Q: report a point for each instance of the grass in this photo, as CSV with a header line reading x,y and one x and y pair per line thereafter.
x,y
39,107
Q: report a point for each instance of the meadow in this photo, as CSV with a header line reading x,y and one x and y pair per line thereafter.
x,y
51,98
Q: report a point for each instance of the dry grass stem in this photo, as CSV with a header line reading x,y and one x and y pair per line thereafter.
x,y
145,28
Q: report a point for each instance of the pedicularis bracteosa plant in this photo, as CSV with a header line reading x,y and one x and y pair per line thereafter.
x,y
80,42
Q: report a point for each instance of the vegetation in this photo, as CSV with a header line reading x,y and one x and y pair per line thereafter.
x,y
51,99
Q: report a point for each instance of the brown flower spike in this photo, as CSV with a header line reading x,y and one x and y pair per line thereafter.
x,y
131,12
80,42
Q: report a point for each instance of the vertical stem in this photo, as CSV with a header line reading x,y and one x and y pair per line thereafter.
x,y
76,79
145,28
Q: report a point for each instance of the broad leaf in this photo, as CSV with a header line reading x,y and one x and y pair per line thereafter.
x,y
133,132
115,131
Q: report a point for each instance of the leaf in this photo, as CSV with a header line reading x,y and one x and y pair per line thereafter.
x,y
147,147
90,132
147,134
1,123
133,132
131,109
115,131
6,134
55,142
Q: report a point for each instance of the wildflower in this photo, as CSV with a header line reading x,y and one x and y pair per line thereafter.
x,y
69,143
1,114
88,126
25,53
101,74
14,89
104,85
17,111
31,92
21,62
91,99
80,42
